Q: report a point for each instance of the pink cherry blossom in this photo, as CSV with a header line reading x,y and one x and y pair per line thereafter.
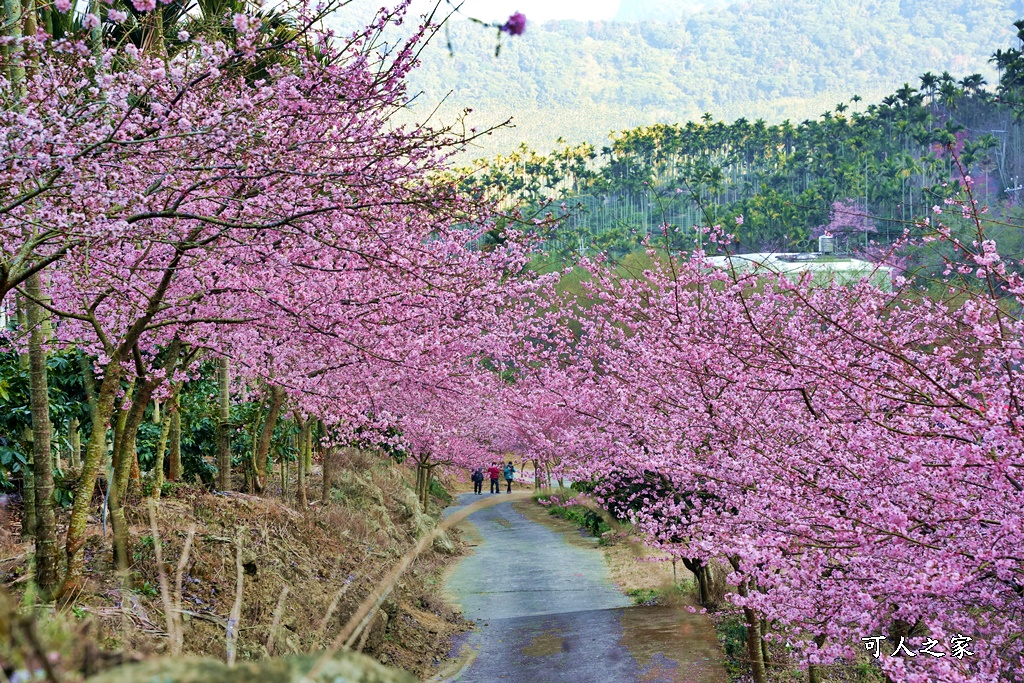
x,y
516,24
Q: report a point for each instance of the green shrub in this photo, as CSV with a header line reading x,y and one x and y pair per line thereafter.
x,y
645,596
732,632
440,492
582,517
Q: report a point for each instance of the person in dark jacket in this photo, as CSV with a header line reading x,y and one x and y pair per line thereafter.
x,y
478,480
494,472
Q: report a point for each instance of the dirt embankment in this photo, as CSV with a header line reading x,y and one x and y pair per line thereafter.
x,y
329,558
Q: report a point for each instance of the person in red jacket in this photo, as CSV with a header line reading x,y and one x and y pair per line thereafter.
x,y
494,472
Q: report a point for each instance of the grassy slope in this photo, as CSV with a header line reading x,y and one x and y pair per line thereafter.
x,y
371,521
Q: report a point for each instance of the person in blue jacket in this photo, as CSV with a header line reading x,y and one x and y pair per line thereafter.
x,y
510,474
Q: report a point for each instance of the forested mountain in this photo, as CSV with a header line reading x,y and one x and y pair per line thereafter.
x,y
665,10
865,176
761,58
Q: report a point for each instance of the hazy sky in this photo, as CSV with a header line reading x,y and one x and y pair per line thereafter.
x,y
537,10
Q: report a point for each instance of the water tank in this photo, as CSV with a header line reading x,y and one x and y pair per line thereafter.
x,y
826,244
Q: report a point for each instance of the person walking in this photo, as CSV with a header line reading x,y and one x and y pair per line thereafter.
x,y
478,480
510,474
494,472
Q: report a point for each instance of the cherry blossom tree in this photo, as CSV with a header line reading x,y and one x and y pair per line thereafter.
x,y
197,208
851,454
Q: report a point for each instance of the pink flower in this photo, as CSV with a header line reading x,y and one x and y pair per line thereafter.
x,y
739,219
183,36
516,24
241,23
144,5
116,16
91,21
62,5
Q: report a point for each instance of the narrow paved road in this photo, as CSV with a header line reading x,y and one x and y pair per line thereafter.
x,y
547,613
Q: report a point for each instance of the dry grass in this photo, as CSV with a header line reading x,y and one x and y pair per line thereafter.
x,y
353,540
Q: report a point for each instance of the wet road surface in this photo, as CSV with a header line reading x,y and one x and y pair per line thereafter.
x,y
547,613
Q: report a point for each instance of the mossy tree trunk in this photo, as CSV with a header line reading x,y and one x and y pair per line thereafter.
x,y
309,449
174,436
161,446
424,475
45,531
75,437
754,652
224,426
95,453
28,486
126,457
305,441
262,448
709,593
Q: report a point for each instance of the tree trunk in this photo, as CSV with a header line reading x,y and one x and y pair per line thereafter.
x,y
28,485
697,568
754,645
28,489
118,524
813,670
309,448
134,471
424,477
754,652
102,410
16,67
45,520
174,435
158,466
422,483
305,432
266,434
125,459
223,426
120,417
75,456
765,654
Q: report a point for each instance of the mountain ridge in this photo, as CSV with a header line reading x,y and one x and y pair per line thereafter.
x,y
753,59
